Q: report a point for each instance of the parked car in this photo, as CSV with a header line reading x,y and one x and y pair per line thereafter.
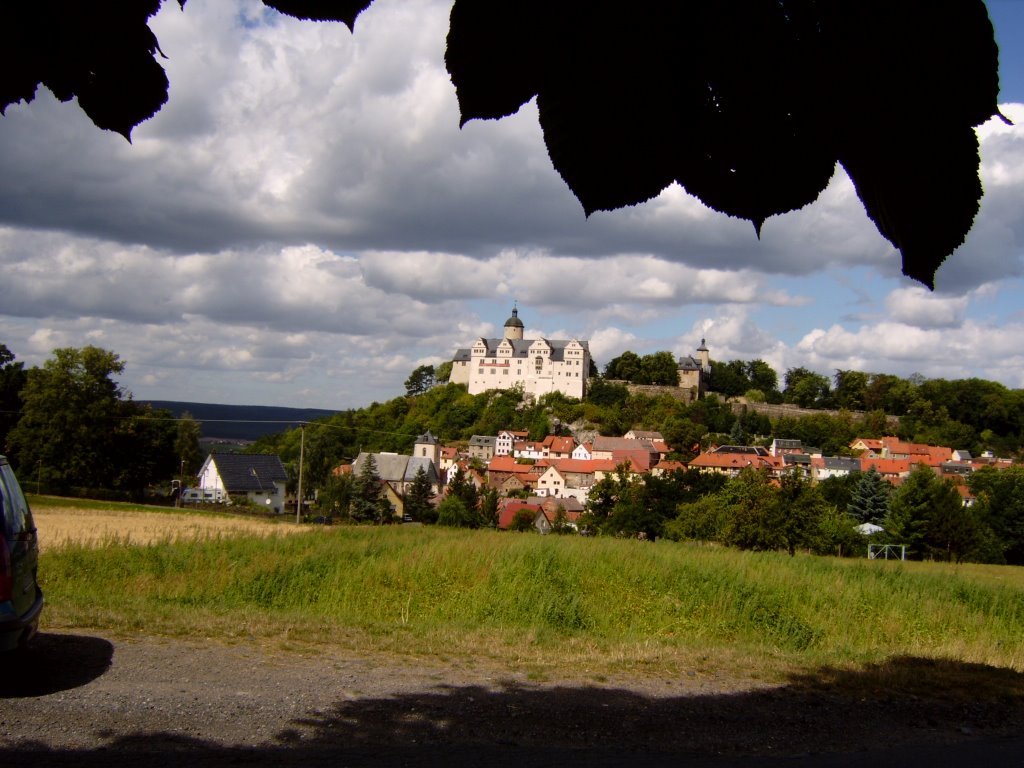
x,y
21,599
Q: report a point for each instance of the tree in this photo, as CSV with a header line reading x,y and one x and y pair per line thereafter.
x,y
368,503
489,507
751,516
762,377
927,514
70,419
625,367
659,368
417,498
522,521
443,372
806,388
463,489
827,82
420,380
801,510
12,381
453,513
334,497
729,379
1000,504
186,445
850,389
869,500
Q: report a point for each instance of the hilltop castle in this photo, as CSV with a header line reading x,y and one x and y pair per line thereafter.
x,y
540,366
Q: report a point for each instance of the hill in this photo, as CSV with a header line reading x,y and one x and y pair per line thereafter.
x,y
241,422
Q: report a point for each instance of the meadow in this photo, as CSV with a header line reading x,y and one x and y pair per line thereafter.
x,y
550,604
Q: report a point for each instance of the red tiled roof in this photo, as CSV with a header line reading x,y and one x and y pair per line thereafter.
x,y
508,512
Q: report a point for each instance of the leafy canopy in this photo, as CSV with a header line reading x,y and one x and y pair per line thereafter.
x,y
748,105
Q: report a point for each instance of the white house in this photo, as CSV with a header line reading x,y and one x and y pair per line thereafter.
x,y
261,478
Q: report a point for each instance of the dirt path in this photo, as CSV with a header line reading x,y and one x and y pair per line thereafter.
x,y
81,700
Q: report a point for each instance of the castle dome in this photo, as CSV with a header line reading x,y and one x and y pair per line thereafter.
x,y
514,321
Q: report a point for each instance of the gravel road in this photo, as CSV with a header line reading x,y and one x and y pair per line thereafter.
x,y
79,700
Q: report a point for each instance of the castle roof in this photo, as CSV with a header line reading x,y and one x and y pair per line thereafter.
x,y
514,321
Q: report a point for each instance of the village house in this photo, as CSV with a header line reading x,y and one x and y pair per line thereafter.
x,y
507,438
825,467
260,478
583,451
732,459
482,447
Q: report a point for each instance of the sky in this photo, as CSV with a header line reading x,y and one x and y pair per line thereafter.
x,y
304,223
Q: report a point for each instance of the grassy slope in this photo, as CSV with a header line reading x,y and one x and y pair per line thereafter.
x,y
550,602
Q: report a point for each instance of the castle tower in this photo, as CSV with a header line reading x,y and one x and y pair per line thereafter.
x,y
704,356
514,326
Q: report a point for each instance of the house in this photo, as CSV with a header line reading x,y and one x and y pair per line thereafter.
x,y
732,459
526,449
507,438
783,446
508,509
893,470
607,447
449,455
538,366
482,447
639,434
822,468
260,478
583,451
507,475
556,447
551,483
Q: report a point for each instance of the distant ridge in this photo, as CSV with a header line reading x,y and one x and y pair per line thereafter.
x,y
241,422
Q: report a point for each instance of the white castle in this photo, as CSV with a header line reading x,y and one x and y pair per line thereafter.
x,y
540,366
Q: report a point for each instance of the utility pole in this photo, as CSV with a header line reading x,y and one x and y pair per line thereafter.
x,y
302,453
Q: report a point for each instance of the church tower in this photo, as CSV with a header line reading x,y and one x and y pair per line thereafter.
x,y
428,447
514,326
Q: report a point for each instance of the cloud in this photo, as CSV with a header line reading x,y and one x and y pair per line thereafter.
x,y
916,306
305,220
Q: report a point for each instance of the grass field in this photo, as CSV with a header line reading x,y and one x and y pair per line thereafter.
x,y
63,522
549,603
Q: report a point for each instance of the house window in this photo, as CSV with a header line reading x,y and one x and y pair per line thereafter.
x,y
481,370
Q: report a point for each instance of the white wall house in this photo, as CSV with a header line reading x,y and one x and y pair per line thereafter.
x,y
260,478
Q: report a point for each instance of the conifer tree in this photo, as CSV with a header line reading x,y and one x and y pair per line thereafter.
x,y
368,502
869,501
417,498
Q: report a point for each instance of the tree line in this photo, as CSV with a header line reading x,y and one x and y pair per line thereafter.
x,y
925,515
68,427
973,414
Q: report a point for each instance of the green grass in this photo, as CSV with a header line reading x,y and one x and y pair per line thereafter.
x,y
40,502
550,602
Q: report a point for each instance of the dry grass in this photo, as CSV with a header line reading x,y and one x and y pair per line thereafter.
x,y
60,526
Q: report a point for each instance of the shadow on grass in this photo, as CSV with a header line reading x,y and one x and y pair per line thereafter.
x,y
905,712
54,663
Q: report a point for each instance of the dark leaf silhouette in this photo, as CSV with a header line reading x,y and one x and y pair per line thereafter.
x,y
748,105
103,53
